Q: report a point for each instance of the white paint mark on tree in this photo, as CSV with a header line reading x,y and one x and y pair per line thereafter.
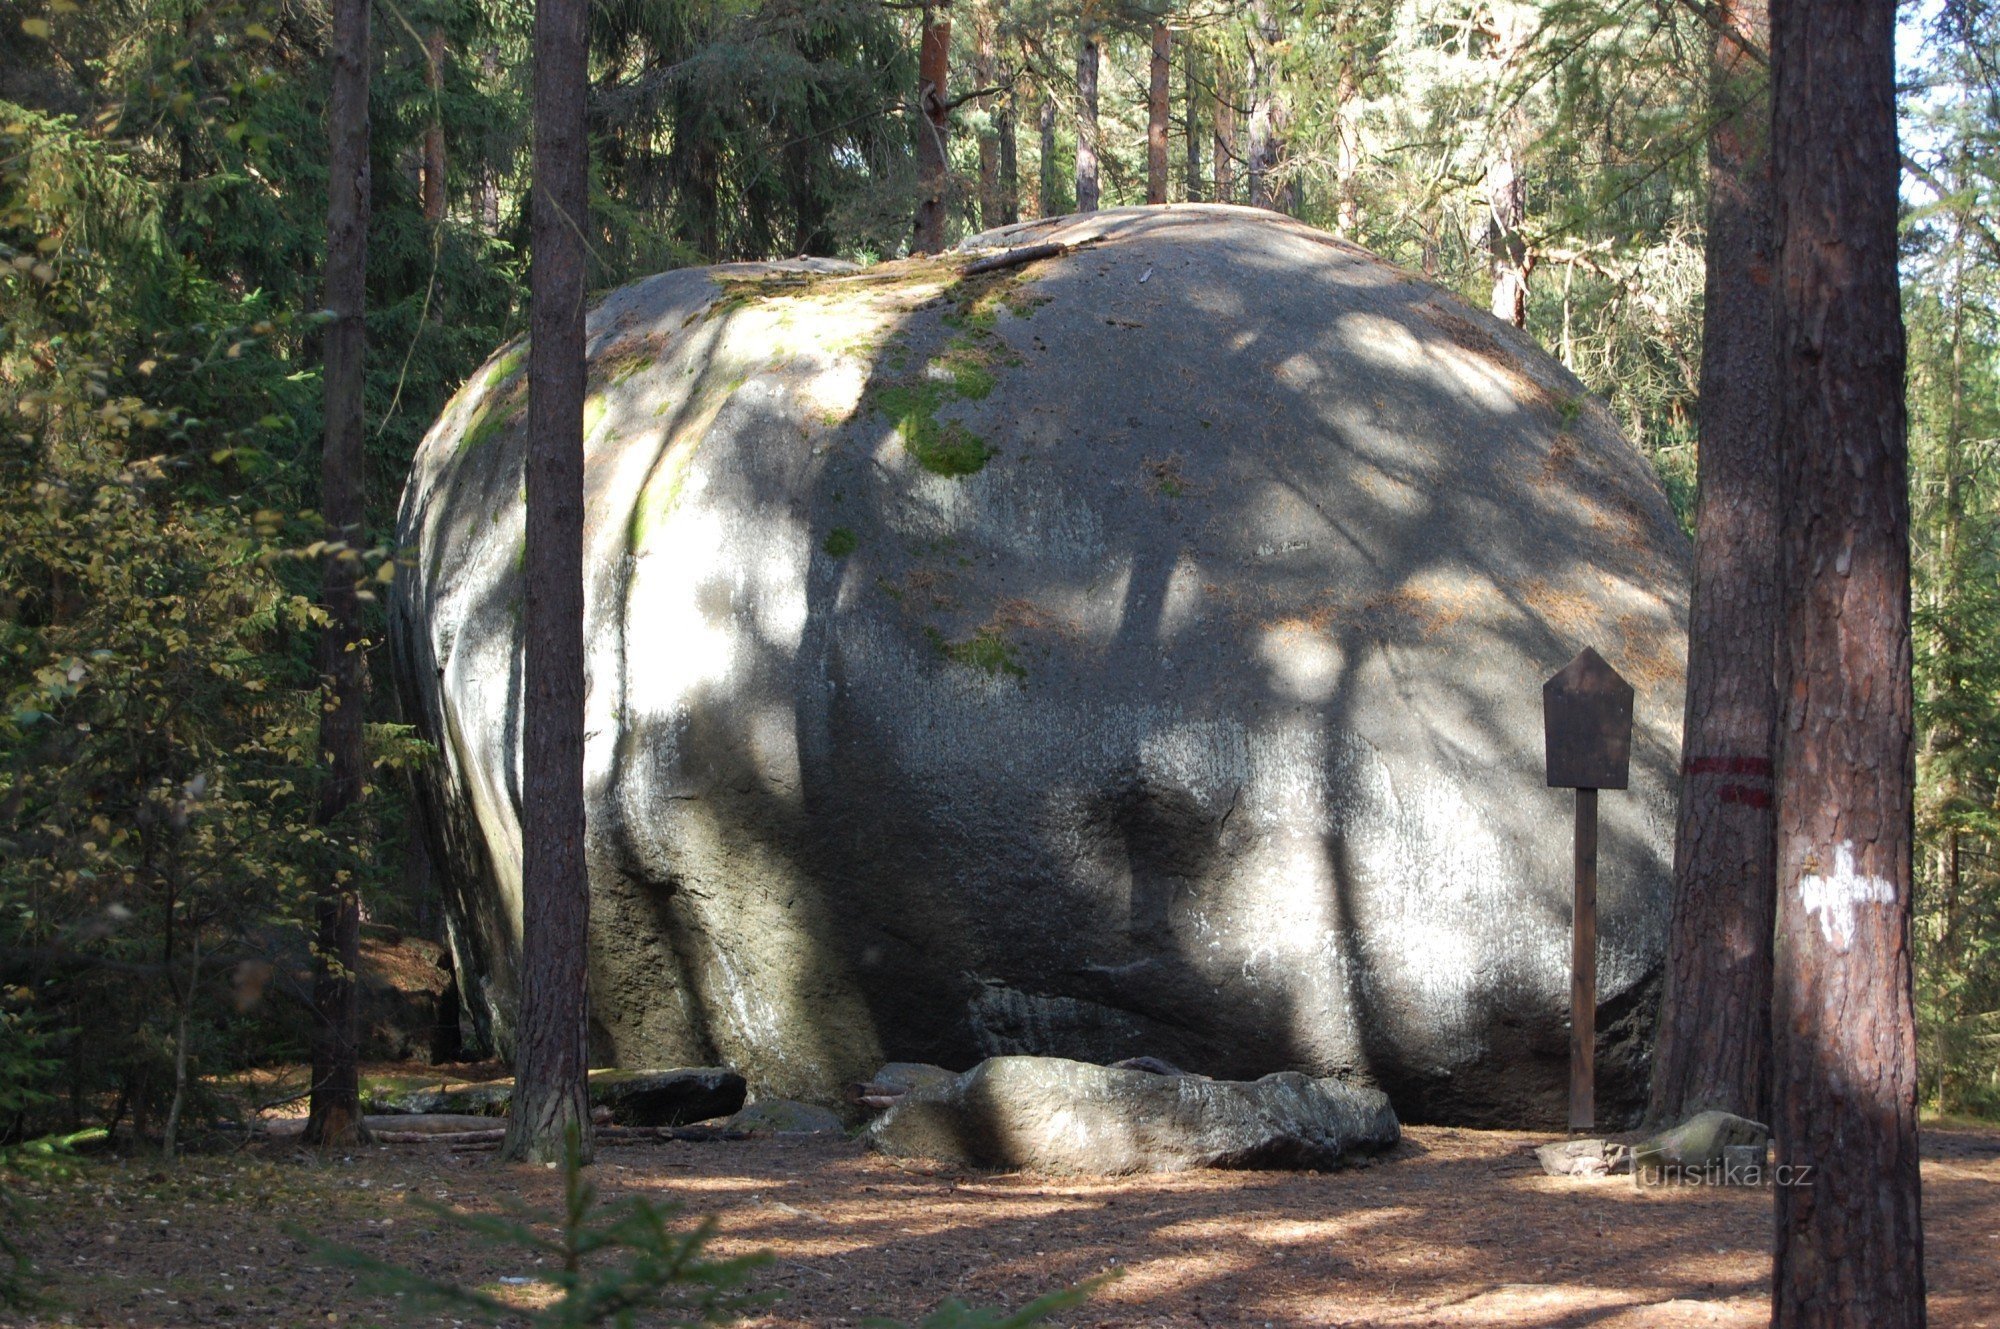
x,y
1833,898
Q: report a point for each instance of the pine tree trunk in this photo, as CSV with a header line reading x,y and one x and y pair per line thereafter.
x,y
551,1031
1045,187
983,70
1713,1047
1849,1245
1347,162
434,195
1156,118
1086,123
489,183
1010,163
1506,253
1191,70
1267,113
933,170
334,1116
1225,133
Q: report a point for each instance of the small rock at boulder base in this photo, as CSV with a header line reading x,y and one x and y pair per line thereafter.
x,y
1034,661
782,1116
1696,1146
487,1098
1581,1158
1046,1114
667,1098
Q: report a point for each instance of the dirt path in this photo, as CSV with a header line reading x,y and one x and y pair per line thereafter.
x,y
1460,1229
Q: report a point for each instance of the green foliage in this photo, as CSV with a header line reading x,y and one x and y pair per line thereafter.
x,y
623,1265
1950,299
615,1263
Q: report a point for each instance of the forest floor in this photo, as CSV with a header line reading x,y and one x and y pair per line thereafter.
x,y
1457,1228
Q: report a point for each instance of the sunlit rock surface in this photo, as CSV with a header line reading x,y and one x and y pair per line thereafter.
x,y
1135,652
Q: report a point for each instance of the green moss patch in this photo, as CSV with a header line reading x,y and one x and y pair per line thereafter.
x,y
984,650
840,542
942,447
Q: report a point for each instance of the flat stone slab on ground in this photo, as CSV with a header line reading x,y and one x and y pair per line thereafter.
x,y
1048,1114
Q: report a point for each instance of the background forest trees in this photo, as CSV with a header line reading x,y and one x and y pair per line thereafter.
x,y
163,183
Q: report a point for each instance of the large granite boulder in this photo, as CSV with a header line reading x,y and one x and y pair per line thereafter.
x,y
1046,1114
1136,651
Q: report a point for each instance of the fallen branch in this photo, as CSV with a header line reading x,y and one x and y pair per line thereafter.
x,y
1014,258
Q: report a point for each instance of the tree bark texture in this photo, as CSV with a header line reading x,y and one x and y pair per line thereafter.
x,y
1191,70
1506,250
1267,113
933,169
434,195
984,69
551,1031
1045,187
1010,162
1156,117
334,1113
1086,123
1225,132
1849,1247
1713,1047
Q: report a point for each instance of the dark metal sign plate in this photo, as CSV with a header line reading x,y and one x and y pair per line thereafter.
x,y
1587,723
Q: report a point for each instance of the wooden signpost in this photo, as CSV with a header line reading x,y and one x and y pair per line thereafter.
x,y
1587,725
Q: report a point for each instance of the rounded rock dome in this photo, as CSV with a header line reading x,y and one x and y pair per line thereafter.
x,y
1136,651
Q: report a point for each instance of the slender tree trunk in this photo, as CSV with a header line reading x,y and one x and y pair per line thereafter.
x,y
551,1033
489,183
983,74
933,170
1267,113
434,195
1045,187
1347,162
1225,132
1086,123
1506,251
170,1136
1850,1245
1191,70
1713,1046
1156,118
334,1116
1010,163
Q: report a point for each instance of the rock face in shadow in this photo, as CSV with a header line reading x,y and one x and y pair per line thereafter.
x,y
1136,652
1046,1114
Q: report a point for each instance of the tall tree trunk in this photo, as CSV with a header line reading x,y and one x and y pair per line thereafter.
x,y
1191,70
983,74
1086,122
1010,163
434,195
1347,161
1267,112
1850,1246
1045,187
1713,1047
1506,249
489,182
551,1032
933,173
1225,132
334,1116
1156,118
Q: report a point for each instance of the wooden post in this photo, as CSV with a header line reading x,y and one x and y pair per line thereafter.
x,y
1587,724
1583,970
